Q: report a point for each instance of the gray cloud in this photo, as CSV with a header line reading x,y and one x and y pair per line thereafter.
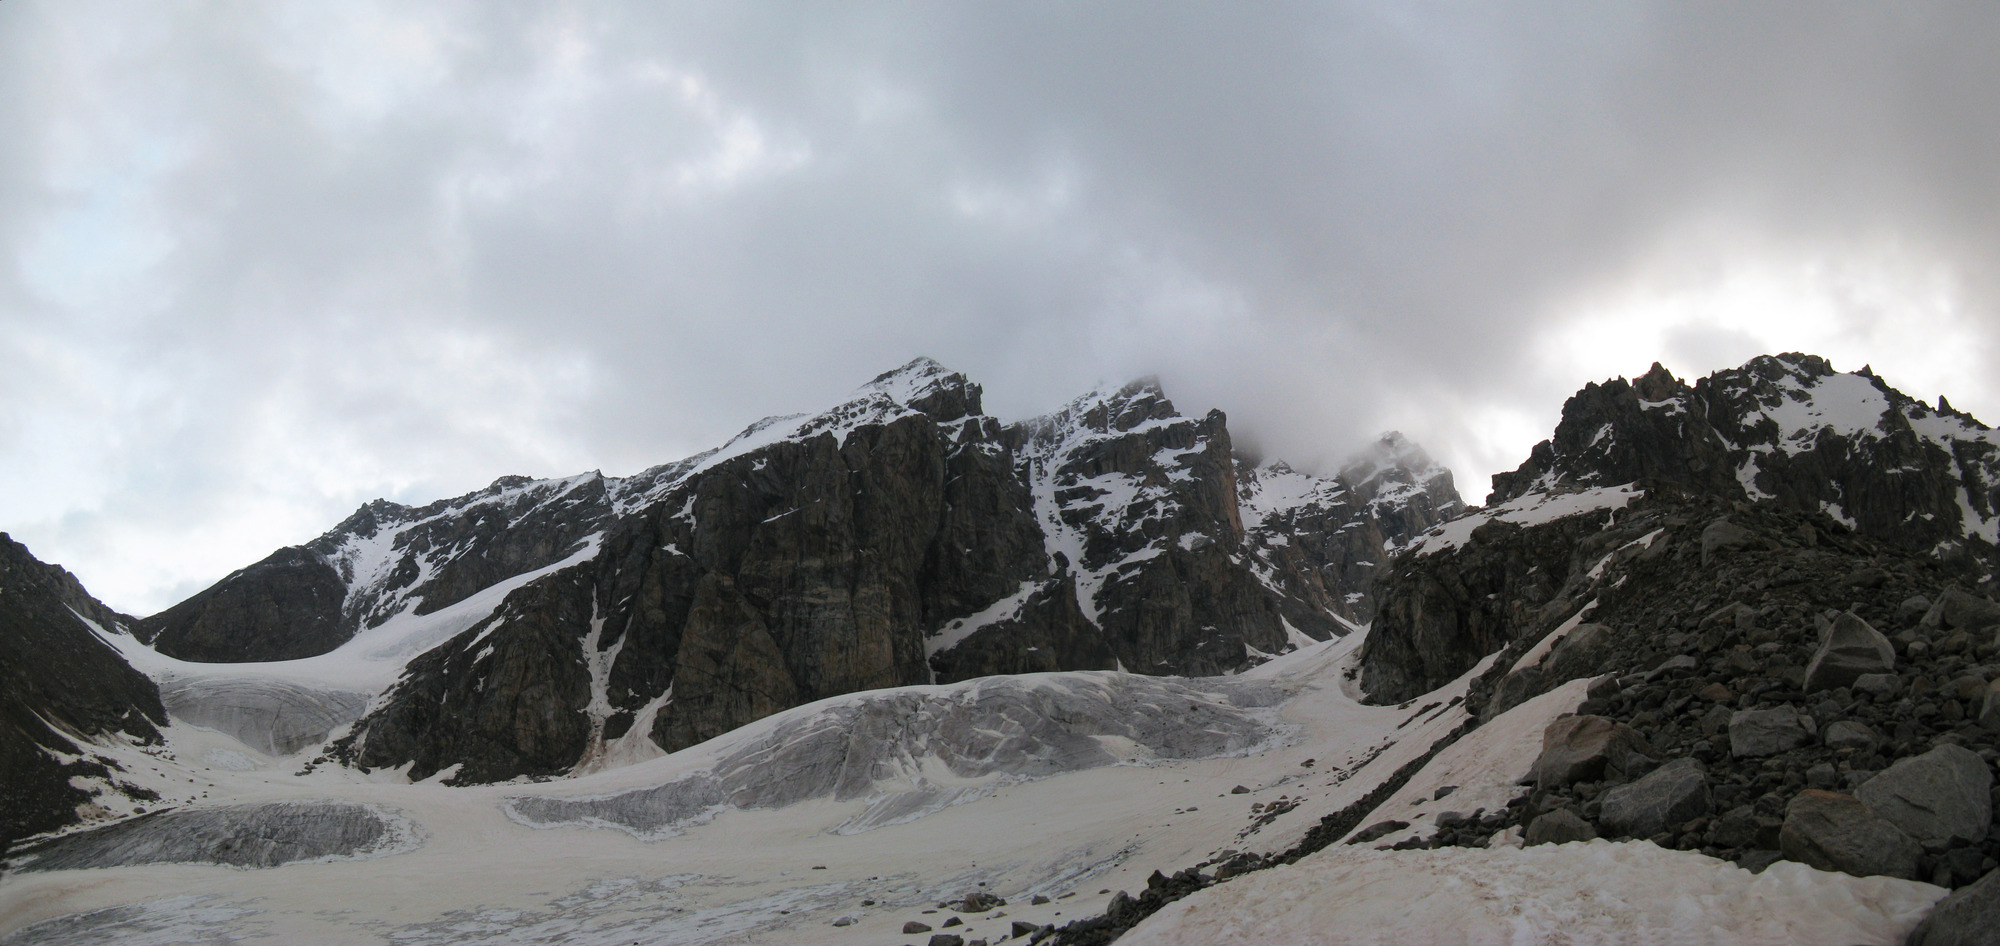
x,y
274,260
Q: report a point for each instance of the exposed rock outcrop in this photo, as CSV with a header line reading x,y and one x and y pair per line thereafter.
x,y
61,687
903,537
1789,429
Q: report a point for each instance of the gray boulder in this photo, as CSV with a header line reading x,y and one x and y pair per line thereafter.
x,y
1768,732
1723,536
1881,686
1989,706
1912,610
1851,648
1560,826
1585,749
1831,831
1942,794
1668,797
1850,734
1969,917
1958,610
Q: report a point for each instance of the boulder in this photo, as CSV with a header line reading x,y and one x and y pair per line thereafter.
x,y
1912,610
1832,831
1851,648
1768,732
1850,734
1969,917
914,926
1668,797
1723,536
1989,706
1881,686
1560,826
1942,794
1584,749
1959,610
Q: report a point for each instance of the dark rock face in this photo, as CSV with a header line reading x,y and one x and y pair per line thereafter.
x,y
1790,429
1326,543
384,560
903,537
498,700
1441,611
1677,649
58,684
1966,918
282,608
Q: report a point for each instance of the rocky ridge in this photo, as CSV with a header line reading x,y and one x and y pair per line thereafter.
x,y
1778,581
1789,429
902,537
62,689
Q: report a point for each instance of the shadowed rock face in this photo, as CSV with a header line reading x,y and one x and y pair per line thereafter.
x,y
234,836
282,608
903,537
58,681
384,560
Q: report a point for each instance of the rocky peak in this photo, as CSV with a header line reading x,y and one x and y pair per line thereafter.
x,y
1791,429
1396,471
930,388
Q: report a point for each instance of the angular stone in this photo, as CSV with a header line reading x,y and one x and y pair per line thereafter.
x,y
1755,733
1959,610
1723,536
1560,826
1668,797
1717,693
913,926
1584,748
1969,917
1850,734
1881,686
1831,831
1989,706
1851,648
1912,610
1942,794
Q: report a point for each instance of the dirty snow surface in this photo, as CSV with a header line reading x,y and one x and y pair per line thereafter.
x,y
1585,892
839,821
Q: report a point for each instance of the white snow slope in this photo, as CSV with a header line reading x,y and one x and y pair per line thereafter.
x,y
1061,785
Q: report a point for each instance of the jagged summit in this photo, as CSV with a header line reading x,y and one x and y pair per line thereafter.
x,y
1787,428
929,388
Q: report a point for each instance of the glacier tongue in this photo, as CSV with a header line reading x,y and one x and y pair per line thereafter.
x,y
917,750
275,717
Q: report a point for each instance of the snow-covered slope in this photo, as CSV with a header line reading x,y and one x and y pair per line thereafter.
x,y
849,818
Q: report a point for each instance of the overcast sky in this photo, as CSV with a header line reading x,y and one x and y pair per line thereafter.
x,y
268,261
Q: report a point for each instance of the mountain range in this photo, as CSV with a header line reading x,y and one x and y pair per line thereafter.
x,y
971,609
